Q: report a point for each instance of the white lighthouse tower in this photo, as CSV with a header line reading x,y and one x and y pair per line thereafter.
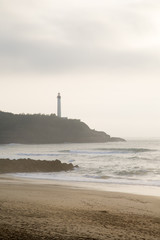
x,y
59,105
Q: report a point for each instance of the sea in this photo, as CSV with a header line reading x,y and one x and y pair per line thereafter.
x,y
132,166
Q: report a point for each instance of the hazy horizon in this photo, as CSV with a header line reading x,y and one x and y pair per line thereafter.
x,y
102,56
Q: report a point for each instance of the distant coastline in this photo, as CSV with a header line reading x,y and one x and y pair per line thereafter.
x,y
47,129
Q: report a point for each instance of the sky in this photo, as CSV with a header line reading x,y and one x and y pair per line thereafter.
x,y
102,56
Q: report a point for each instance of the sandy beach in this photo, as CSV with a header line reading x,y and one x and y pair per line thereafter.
x,y
44,210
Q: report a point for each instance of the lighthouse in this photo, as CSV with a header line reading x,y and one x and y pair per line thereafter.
x,y
59,105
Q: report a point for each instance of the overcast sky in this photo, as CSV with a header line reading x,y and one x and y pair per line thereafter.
x,y
102,56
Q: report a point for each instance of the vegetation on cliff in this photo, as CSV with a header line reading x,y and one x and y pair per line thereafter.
x,y
40,129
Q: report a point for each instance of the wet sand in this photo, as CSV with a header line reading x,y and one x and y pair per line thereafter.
x,y
44,210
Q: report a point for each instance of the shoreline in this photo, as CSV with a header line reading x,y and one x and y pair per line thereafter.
x,y
143,190
43,210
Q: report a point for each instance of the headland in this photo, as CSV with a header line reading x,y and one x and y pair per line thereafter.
x,y
46,129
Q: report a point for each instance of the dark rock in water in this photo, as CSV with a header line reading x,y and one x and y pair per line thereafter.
x,y
116,139
29,165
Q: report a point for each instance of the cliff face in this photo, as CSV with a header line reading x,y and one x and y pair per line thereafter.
x,y
39,129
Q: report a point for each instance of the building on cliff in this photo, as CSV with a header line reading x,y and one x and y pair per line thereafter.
x,y
59,105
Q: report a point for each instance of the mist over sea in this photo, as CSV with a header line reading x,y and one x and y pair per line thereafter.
x,y
135,162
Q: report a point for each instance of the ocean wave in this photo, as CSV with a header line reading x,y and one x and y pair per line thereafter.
x,y
105,151
108,151
126,150
64,151
89,178
131,173
100,152
86,152
141,158
104,177
38,154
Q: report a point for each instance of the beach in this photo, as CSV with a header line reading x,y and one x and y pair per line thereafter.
x,y
41,209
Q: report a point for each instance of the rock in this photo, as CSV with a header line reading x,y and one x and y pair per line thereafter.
x,y
116,139
30,165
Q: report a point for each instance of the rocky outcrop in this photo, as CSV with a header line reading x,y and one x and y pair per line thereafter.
x,y
116,139
29,165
